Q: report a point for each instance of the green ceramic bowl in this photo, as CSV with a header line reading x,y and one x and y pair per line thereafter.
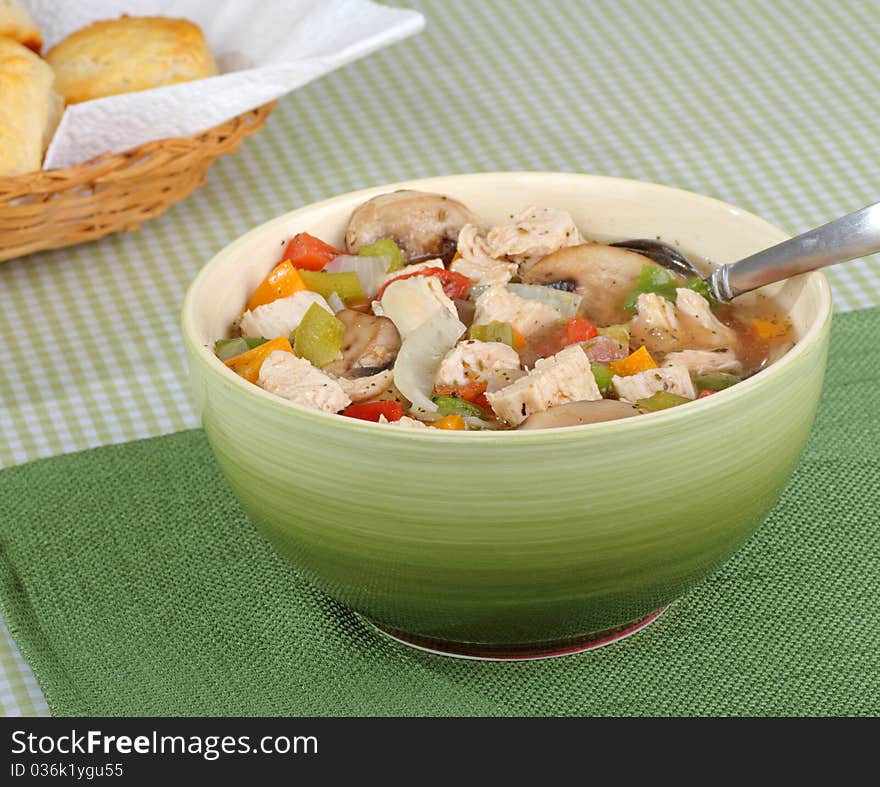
x,y
517,542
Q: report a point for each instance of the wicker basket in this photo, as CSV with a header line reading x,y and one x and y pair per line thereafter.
x,y
115,192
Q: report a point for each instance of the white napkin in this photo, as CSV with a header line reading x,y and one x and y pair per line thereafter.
x,y
263,50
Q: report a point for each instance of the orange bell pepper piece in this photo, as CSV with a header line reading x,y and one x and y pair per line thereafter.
x,y
638,361
518,339
284,280
455,422
248,364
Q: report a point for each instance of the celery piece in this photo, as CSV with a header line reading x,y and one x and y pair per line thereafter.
x,y
653,278
319,336
494,332
716,381
346,285
384,248
455,405
662,400
602,374
229,348
618,332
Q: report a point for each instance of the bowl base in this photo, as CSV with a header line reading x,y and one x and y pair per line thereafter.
x,y
514,652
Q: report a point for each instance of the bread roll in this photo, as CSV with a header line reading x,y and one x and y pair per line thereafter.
x,y
29,108
17,23
128,54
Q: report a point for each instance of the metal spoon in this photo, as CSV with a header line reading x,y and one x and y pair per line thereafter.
x,y
846,238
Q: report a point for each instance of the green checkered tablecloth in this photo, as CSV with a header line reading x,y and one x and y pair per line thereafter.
x,y
771,106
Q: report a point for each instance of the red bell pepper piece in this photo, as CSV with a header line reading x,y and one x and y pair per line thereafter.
x,y
307,251
372,411
577,330
455,285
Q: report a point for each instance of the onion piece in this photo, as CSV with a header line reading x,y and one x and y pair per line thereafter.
x,y
420,356
566,303
344,263
501,378
335,302
410,302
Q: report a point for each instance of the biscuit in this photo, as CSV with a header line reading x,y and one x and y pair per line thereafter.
x,y
129,54
17,23
29,110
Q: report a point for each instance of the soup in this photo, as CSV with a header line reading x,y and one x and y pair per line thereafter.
x,y
428,319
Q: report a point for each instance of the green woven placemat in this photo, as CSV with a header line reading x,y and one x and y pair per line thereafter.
x,y
134,585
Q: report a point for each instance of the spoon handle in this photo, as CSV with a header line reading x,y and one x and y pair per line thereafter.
x,y
846,238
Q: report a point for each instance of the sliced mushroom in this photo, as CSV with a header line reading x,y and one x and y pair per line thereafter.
x,y
423,225
603,275
466,310
369,346
579,413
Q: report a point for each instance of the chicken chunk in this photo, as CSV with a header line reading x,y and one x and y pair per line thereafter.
x,y
655,324
564,377
473,361
498,304
360,389
475,261
281,316
704,329
296,380
404,422
532,234
674,379
705,361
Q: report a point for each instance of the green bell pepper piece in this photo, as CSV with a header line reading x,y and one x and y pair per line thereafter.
x,y
653,278
698,285
662,400
319,336
384,248
716,381
229,348
346,285
603,374
455,405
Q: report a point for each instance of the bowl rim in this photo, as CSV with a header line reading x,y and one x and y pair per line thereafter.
x,y
217,368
